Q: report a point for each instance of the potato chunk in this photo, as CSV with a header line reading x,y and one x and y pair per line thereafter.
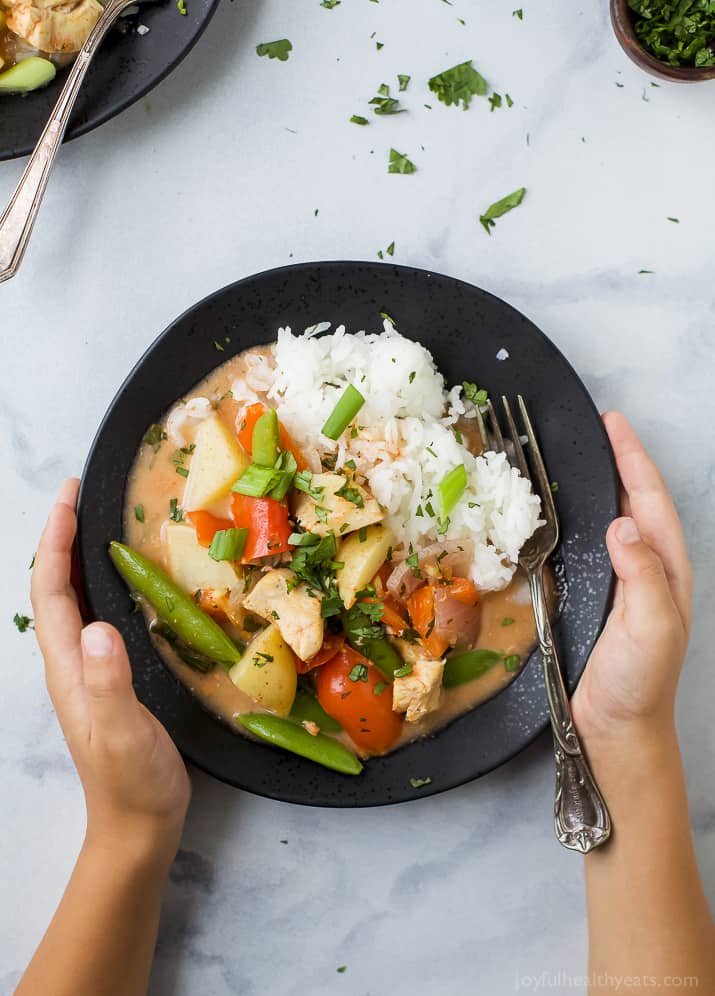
x,y
189,563
266,672
341,516
296,613
217,462
361,561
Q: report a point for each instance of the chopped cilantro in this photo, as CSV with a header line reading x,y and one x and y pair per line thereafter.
x,y
379,688
512,662
403,81
351,494
358,119
399,163
181,7
507,621
509,101
460,83
554,486
358,673
501,207
139,513
154,436
402,672
276,49
676,221
418,783
680,34
494,101
343,968
518,13
217,346
23,623
391,252
329,4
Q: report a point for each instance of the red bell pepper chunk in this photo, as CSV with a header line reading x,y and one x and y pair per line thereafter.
x,y
207,525
267,522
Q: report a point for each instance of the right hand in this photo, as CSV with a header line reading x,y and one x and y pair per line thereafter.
x,y
136,785
630,680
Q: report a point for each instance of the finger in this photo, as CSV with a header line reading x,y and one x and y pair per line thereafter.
x,y
652,508
107,680
57,620
646,595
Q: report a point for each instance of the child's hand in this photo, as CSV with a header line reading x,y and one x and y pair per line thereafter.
x,y
630,680
136,786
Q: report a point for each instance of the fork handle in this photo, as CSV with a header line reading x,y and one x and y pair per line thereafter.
x,y
581,817
19,216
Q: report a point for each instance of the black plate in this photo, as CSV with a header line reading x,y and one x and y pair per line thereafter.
x,y
464,327
126,68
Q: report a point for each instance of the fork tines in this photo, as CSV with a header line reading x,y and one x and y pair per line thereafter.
x,y
493,439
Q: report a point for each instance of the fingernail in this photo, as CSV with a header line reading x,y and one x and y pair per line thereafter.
x,y
96,641
628,531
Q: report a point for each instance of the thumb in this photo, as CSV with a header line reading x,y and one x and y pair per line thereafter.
x,y
107,677
645,592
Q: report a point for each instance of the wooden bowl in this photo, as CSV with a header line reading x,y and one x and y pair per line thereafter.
x,y
625,33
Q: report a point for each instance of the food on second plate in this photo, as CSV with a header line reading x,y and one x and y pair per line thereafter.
x,y
37,36
323,554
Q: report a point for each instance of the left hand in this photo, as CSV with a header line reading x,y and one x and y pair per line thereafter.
x,y
136,785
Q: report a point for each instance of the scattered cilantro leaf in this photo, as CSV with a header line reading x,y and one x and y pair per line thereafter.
x,y
399,163
518,13
358,119
23,623
460,83
329,4
139,513
418,783
276,49
495,101
403,81
501,207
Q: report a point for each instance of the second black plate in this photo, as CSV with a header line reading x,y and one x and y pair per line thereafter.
x,y
464,328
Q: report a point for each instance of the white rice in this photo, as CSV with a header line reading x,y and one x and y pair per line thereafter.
x,y
404,444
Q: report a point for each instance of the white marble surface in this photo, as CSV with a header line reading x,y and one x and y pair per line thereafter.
x,y
202,183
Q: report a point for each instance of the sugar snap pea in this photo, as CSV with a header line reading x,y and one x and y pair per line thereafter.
x,y
461,668
383,655
190,624
306,707
286,734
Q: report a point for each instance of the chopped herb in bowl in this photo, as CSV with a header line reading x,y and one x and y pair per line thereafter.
x,y
679,32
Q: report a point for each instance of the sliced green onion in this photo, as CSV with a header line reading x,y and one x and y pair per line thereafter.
x,y
264,444
228,544
285,472
255,481
303,539
344,412
451,488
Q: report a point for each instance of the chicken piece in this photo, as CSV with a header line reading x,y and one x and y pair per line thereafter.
x,y
53,26
341,516
417,693
296,614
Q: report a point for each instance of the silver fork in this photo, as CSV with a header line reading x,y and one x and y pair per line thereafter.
x,y
581,817
19,216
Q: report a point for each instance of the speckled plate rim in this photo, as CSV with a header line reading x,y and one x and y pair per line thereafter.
x,y
264,770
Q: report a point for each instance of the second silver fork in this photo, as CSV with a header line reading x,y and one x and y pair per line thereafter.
x,y
581,817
